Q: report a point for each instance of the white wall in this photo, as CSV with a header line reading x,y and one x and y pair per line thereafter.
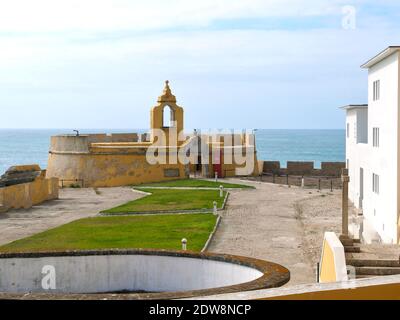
x,y
91,274
380,210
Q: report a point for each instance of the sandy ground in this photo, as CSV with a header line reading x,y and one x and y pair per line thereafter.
x,y
73,204
279,224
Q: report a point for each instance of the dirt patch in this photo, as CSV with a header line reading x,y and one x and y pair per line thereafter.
x,y
318,214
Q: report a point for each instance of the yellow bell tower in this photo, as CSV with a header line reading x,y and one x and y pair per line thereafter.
x,y
166,116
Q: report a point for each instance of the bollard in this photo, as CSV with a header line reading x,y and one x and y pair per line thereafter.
x,y
216,176
302,182
184,242
221,191
319,184
331,186
273,178
287,179
215,210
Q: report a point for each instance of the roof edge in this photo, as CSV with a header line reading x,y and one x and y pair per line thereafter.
x,y
380,56
354,106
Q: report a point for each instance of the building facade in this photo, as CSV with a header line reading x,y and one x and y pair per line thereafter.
x,y
372,150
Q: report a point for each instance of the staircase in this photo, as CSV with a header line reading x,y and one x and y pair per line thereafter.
x,y
371,260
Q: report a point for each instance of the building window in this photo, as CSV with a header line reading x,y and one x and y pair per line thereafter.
x,y
348,130
375,137
376,90
375,183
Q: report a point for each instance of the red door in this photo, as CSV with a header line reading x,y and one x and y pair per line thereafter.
x,y
217,163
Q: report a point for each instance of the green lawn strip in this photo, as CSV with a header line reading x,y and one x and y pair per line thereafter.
x,y
170,200
196,183
155,231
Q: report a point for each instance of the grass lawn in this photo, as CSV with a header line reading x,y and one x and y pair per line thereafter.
x,y
171,199
155,231
196,183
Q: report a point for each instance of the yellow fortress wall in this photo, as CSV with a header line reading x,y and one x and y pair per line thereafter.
x,y
26,195
101,160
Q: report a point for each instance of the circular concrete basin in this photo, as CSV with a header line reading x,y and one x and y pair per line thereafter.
x,y
132,274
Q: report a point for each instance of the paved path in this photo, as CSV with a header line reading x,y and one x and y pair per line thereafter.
x,y
263,223
73,204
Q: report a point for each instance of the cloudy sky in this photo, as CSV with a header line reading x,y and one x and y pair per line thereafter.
x,y
231,63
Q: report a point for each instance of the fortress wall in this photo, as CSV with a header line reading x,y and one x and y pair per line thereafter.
x,y
81,143
109,170
272,167
306,168
16,196
332,168
124,137
69,143
300,167
26,195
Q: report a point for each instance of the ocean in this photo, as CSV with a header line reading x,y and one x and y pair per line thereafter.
x,y
29,146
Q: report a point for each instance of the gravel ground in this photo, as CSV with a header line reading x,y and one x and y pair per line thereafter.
x,y
318,214
280,224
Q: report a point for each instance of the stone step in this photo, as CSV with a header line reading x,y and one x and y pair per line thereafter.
x,y
373,263
377,271
360,276
2,209
352,249
349,242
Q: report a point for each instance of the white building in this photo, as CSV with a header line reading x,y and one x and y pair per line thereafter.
x,y
373,149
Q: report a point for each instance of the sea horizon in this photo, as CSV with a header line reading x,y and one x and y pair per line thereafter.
x,y
31,145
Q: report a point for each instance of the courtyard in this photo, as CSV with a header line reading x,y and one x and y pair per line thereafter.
x,y
262,220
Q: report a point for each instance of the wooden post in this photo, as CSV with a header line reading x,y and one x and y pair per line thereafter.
x,y
345,202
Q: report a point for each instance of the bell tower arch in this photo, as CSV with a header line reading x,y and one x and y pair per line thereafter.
x,y
166,116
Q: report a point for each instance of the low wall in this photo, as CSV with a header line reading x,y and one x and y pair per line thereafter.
x,y
304,168
26,195
377,288
333,260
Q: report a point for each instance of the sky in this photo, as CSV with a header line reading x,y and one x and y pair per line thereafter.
x,y
243,64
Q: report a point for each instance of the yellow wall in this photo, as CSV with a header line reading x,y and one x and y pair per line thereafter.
x,y
26,195
327,266
108,170
375,292
17,196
